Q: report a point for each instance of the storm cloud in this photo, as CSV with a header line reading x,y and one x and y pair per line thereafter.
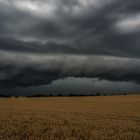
x,y
45,40
27,70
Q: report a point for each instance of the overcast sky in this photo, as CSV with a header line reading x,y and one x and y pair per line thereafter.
x,y
47,43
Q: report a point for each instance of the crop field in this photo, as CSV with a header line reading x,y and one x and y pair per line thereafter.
x,y
70,118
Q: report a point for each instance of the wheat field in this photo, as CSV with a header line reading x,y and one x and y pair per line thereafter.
x,y
70,118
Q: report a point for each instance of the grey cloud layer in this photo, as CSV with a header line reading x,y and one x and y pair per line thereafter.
x,y
76,26
43,40
29,70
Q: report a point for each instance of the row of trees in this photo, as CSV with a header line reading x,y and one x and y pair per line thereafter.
x,y
59,95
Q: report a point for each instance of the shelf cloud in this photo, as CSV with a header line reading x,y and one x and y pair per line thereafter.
x,y
46,40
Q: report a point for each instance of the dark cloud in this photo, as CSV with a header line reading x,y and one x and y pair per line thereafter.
x,y
70,27
44,40
23,70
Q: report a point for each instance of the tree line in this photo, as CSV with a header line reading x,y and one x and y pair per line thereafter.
x,y
59,95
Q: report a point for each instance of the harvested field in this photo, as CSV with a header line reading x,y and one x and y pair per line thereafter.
x,y
70,118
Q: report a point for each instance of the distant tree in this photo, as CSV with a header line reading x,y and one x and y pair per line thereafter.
x,y
2,96
5,96
71,94
82,95
37,95
98,94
